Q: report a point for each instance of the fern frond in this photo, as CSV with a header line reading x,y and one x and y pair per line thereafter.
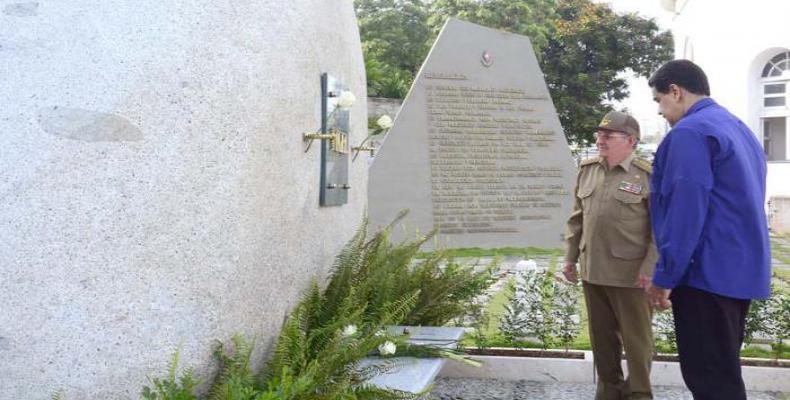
x,y
235,380
172,388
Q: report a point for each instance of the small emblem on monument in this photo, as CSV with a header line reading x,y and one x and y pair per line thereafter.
x,y
487,59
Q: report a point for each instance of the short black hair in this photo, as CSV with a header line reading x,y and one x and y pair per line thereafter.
x,y
683,73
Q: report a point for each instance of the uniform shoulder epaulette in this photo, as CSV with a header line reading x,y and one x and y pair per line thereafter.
x,y
589,161
643,164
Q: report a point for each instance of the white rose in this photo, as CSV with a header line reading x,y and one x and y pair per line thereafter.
x,y
349,330
346,99
387,348
575,319
384,122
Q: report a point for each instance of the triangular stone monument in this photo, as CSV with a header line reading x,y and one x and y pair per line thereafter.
x,y
477,149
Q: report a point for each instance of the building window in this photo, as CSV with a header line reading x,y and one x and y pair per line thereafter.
x,y
775,138
776,75
775,82
777,65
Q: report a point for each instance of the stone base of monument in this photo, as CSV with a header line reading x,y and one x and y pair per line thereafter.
x,y
410,374
541,369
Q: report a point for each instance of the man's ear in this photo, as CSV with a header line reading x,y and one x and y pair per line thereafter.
x,y
676,91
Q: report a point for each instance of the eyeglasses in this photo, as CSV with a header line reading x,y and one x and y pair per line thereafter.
x,y
608,135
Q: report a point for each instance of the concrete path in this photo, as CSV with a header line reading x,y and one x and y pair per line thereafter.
x,y
493,389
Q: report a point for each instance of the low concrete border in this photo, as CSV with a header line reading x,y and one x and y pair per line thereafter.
x,y
570,370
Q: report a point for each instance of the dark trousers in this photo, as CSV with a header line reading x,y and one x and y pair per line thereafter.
x,y
709,331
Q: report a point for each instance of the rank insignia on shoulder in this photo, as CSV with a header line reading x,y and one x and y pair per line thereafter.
x,y
635,188
643,164
590,161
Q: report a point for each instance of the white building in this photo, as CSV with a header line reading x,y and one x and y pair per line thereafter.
x,y
744,48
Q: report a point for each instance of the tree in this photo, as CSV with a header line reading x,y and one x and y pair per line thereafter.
x,y
395,40
588,49
531,18
583,47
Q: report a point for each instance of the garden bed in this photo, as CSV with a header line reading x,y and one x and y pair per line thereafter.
x,y
745,361
510,352
579,355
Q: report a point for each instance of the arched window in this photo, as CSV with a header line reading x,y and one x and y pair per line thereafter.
x,y
776,74
777,65
775,82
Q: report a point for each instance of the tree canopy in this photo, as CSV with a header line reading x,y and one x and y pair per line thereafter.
x,y
583,48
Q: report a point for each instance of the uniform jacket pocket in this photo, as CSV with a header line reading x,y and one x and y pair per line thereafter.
x,y
585,195
630,205
627,252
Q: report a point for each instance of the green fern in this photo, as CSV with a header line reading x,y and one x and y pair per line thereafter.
x,y
235,381
171,388
373,283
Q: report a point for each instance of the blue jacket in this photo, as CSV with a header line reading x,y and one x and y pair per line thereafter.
x,y
707,206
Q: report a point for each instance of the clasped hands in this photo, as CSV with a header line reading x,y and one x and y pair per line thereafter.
x,y
657,296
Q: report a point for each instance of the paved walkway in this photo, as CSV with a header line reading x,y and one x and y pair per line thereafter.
x,y
493,389
780,253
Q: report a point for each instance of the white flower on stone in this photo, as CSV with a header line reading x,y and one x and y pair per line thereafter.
x,y
380,333
349,330
575,319
384,122
346,99
387,348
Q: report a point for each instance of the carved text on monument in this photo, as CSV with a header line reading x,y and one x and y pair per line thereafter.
x,y
479,144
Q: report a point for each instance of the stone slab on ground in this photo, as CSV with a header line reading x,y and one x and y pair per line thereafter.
x,y
494,389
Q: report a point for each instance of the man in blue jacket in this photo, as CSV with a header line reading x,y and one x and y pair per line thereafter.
x,y
707,208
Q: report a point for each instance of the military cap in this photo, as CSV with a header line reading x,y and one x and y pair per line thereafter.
x,y
620,122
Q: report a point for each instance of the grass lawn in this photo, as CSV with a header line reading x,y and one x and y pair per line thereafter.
x,y
780,252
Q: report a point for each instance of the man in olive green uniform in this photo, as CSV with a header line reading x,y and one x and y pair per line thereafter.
x,y
609,234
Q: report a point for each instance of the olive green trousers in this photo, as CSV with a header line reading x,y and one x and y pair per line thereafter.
x,y
620,319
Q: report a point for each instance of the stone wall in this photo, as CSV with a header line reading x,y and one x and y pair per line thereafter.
x,y
779,214
378,106
155,189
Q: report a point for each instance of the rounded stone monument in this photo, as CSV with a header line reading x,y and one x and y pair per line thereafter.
x,y
156,190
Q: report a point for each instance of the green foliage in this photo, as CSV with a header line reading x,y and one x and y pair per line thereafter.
x,y
480,321
588,49
565,313
777,320
777,351
583,47
531,18
235,380
755,320
529,312
664,332
381,273
317,350
396,36
172,388
373,283
513,324
385,80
